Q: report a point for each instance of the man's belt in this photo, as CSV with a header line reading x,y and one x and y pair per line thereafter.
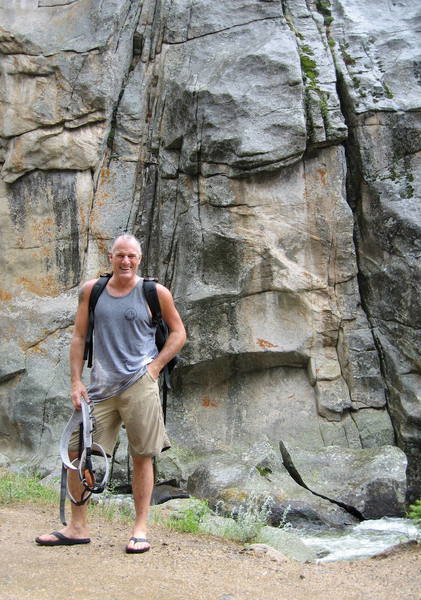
x,y
85,421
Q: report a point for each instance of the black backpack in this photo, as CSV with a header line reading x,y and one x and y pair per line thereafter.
x,y
149,288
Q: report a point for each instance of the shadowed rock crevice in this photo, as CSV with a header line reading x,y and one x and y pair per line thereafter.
x,y
289,464
218,31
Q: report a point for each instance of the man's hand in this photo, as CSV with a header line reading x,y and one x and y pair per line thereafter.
x,y
78,392
154,370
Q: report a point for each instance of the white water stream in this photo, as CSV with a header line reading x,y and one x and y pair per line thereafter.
x,y
366,539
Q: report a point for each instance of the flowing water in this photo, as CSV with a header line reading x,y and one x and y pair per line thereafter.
x,y
366,539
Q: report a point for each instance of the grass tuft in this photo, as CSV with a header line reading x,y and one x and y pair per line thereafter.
x,y
27,489
188,520
16,488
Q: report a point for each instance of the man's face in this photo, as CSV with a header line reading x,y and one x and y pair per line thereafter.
x,y
125,259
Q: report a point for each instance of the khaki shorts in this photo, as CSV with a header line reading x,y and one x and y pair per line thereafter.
x,y
139,408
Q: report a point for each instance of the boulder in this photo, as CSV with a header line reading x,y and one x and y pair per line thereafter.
x,y
369,482
257,484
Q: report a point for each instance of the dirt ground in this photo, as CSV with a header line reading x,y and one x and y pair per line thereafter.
x,y
181,567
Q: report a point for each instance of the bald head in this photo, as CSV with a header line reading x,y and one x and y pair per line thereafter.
x,y
124,238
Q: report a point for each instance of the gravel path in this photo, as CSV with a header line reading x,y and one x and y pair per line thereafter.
x,y
181,567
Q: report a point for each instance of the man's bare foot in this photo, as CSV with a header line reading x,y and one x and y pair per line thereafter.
x,y
65,537
138,544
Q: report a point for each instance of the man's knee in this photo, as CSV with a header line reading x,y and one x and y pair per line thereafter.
x,y
142,461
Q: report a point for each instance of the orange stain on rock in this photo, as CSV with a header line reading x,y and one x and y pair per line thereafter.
x,y
265,344
43,229
105,175
322,173
44,286
207,402
5,296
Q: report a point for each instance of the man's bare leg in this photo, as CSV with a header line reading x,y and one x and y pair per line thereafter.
x,y
143,481
77,528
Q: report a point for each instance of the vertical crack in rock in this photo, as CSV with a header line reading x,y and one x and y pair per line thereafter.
x,y
131,19
354,181
75,79
292,470
356,427
199,140
146,219
171,258
189,21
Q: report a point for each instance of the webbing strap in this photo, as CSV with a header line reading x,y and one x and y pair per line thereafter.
x,y
81,418
96,291
63,492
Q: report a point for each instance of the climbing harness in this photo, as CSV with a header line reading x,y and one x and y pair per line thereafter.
x,y
85,420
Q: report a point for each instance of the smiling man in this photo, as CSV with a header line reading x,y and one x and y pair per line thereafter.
x,y
124,383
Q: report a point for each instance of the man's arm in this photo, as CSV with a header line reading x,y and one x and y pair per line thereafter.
x,y
177,336
77,345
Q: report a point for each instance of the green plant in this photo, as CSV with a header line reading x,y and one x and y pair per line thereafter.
x,y
348,60
309,68
252,515
291,25
16,488
111,511
187,520
247,520
407,192
324,8
24,488
387,91
307,50
414,512
264,471
324,108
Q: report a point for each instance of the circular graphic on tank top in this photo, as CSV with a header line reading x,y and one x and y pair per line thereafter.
x,y
130,314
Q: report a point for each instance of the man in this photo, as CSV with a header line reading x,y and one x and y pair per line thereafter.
x,y
124,383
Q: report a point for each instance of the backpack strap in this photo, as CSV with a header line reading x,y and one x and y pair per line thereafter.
x,y
96,291
151,295
162,330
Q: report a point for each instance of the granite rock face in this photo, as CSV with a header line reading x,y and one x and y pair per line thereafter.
x,y
267,154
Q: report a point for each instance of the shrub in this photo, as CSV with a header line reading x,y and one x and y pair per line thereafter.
x,y
247,520
414,512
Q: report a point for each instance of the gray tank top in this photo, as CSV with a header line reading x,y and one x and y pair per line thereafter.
x,y
124,342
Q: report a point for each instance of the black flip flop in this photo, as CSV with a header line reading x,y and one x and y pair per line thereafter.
x,y
62,540
137,550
